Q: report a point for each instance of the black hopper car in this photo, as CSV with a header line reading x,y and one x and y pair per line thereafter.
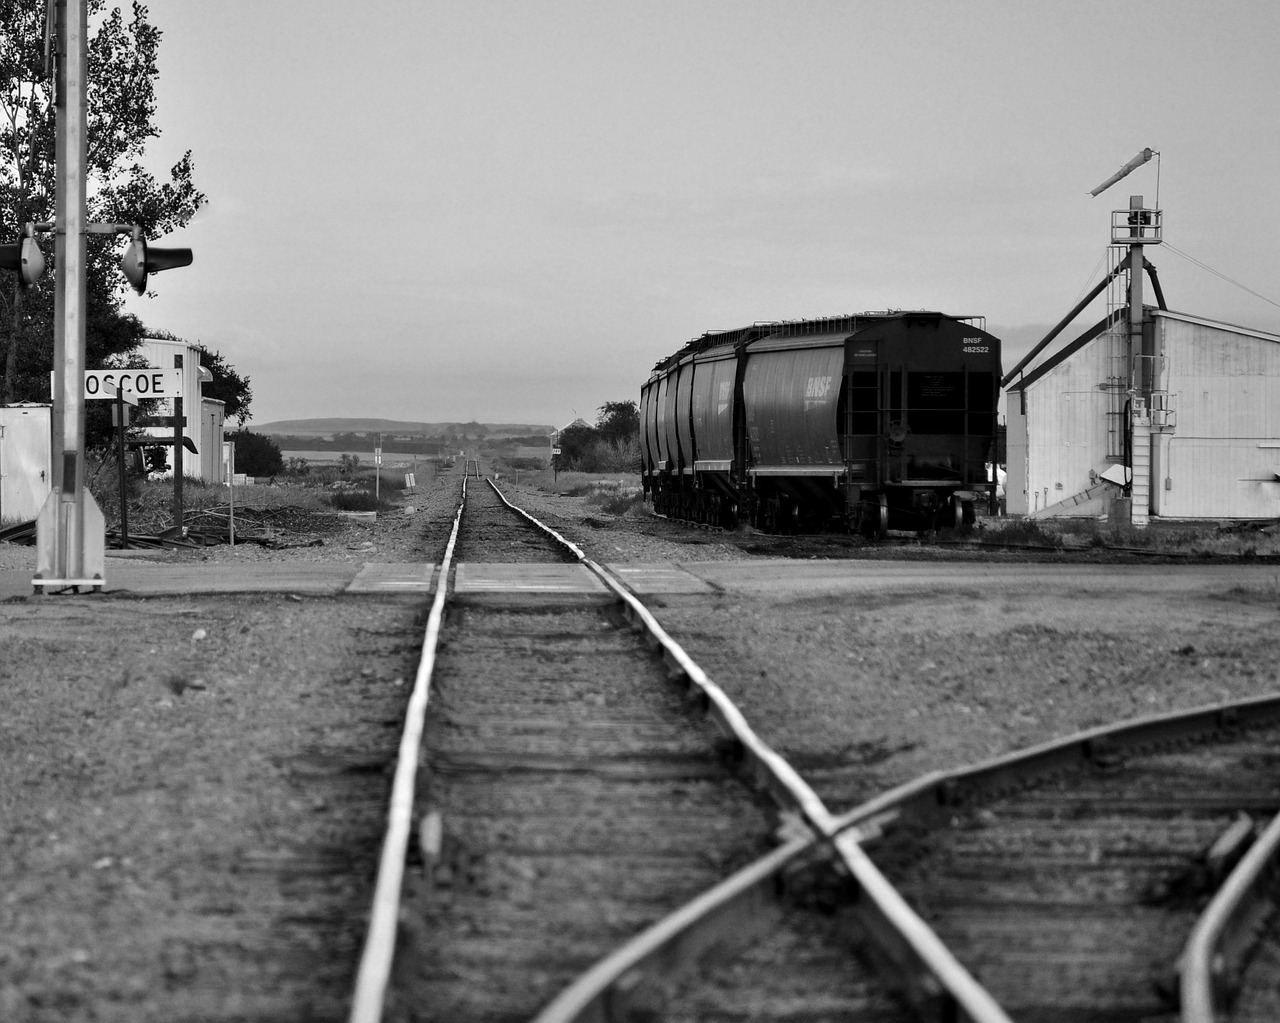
x,y
870,422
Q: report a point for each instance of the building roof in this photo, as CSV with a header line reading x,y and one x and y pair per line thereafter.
x,y
1234,328
1122,314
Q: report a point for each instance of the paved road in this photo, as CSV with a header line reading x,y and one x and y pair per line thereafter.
x,y
789,577
784,578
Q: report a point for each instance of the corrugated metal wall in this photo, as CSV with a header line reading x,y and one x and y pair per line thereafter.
x,y
712,411
1065,435
1221,457
1214,455
790,398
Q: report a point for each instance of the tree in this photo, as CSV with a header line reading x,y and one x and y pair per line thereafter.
x,y
256,454
618,421
121,112
575,442
227,386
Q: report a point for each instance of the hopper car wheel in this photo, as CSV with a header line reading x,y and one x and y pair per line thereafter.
x,y
957,512
882,521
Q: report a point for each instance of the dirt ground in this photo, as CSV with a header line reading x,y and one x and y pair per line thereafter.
x,y
192,789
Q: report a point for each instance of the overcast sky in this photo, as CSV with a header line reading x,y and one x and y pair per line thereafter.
x,y
509,211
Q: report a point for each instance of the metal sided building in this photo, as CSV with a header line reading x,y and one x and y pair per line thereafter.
x,y
1197,424
204,425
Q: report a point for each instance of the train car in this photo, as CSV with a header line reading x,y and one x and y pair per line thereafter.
x,y
874,422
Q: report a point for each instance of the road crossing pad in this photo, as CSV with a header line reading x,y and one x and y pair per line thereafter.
x,y
396,577
496,577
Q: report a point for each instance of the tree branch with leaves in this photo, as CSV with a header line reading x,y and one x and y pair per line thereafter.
x,y
123,69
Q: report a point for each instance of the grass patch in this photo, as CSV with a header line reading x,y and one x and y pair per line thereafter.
x,y
1242,540
1021,532
355,500
621,503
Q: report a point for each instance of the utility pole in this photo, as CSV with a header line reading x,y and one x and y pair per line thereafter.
x,y
70,532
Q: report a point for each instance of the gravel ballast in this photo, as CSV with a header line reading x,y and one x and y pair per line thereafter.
x,y
192,788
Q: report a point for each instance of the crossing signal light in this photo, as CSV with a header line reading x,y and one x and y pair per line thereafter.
x,y
141,259
23,257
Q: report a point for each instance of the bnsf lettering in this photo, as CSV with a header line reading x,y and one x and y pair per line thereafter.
x,y
817,387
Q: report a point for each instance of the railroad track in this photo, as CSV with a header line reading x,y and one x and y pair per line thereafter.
x,y
564,797
569,802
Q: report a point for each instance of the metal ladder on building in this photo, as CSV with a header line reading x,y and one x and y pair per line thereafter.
x,y
1116,339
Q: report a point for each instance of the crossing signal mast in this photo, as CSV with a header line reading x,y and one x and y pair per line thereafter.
x,y
70,531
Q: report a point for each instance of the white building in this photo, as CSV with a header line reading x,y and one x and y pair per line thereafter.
x,y
1200,428
204,417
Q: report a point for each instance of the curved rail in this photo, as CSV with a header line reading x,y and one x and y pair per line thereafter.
x,y
737,906
379,948
932,797
601,993
1212,963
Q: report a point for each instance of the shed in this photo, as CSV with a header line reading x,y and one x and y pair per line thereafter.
x,y
1203,429
212,435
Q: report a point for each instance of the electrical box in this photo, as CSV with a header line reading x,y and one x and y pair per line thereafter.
x,y
26,461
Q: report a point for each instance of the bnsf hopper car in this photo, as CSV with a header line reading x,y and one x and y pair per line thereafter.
x,y
871,422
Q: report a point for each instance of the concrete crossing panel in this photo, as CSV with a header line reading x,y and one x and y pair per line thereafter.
x,y
393,578
493,577
658,577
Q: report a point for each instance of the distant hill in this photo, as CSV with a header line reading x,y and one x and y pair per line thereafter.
x,y
328,427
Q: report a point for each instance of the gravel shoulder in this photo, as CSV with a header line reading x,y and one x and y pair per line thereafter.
x,y
192,787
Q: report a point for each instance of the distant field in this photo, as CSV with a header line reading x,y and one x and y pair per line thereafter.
x,y
532,452
405,458
331,457
329,427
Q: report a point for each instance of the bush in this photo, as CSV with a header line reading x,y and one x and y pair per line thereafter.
x,y
354,500
615,455
623,502
256,455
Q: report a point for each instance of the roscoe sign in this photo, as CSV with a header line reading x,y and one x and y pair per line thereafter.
x,y
138,383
